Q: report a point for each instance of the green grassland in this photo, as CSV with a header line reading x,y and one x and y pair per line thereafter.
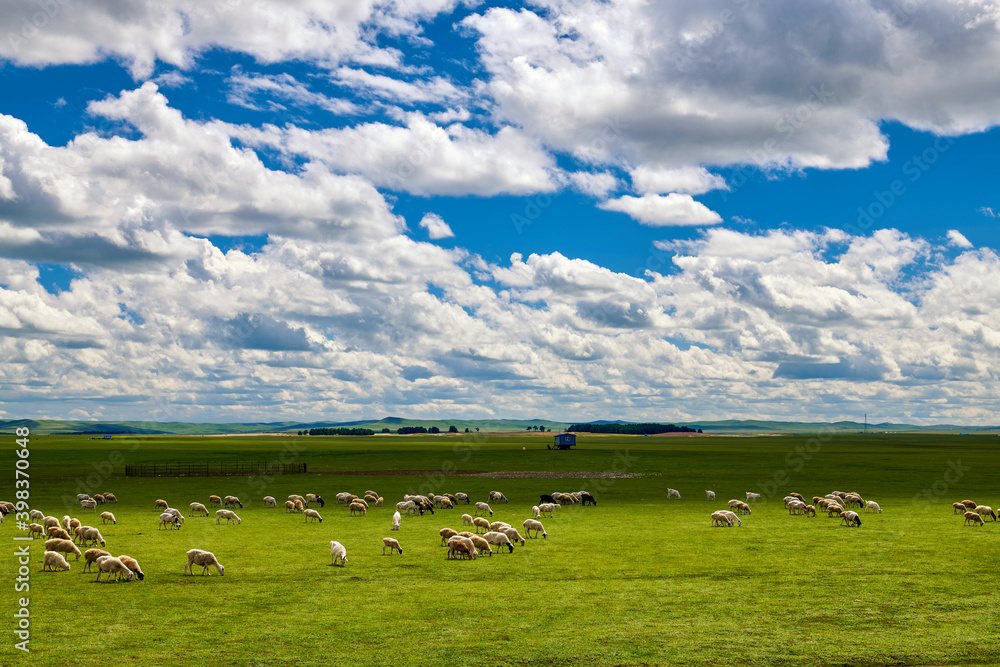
x,y
636,580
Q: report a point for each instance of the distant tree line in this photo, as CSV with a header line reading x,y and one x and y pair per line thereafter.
x,y
340,431
632,429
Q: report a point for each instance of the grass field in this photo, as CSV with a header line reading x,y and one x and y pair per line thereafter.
x,y
636,580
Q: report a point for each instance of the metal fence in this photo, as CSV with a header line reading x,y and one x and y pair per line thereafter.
x,y
216,469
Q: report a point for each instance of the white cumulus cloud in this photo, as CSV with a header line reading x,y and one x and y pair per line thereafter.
x,y
663,211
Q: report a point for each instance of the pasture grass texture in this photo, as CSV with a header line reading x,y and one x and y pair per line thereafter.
x,y
636,580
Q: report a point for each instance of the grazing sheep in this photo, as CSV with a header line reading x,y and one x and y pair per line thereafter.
x,y
313,514
67,547
462,496
73,525
721,519
532,525
446,534
985,510
851,519
752,496
99,498
110,498
466,519
500,540
797,496
446,503
548,508
710,495
112,565
338,552
480,522
732,517
379,501
90,557
36,528
228,515
37,515
546,498
50,522
673,493
289,506
969,516
497,497
872,506
462,546
269,501
55,561
82,496
482,546
587,498
536,512
215,500
161,504
57,532
358,508
810,510
392,544
970,504
88,505
342,498
796,507
484,508
232,501
92,535
175,512
396,518
315,498
108,516
168,519
299,505
133,565
790,499
198,507
512,533
296,498
204,558
958,508
408,506
360,501
834,510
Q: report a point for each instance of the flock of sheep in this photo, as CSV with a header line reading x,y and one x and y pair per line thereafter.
x,y
835,503
973,512
64,536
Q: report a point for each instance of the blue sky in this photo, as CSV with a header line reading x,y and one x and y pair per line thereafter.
x,y
572,210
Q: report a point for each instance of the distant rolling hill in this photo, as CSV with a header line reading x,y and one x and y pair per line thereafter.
x,y
731,426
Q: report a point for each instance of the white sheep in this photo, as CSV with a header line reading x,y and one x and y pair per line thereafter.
x,y
673,493
395,521
90,557
710,494
114,566
88,505
37,515
752,496
269,501
228,515
796,506
338,552
108,516
232,501
50,521
497,497
462,496
176,513
204,558
533,525
732,517
720,519
872,506
314,498
168,519
407,506
92,535
198,507
985,511
66,520
289,506
313,514
466,519
484,508
391,544
55,561
536,512
36,528
82,496
499,539
512,533
851,519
